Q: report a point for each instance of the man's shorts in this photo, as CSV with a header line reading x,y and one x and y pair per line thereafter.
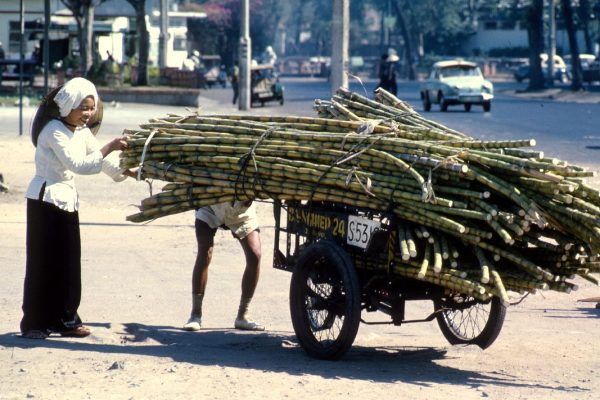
x,y
239,218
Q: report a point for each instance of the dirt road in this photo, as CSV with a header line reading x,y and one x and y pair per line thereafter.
x,y
136,295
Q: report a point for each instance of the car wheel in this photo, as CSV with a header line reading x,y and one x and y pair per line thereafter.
x,y
426,102
468,107
443,103
487,106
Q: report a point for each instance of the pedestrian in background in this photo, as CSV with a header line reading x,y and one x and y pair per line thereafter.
x,y
387,72
2,57
235,79
269,56
240,218
65,146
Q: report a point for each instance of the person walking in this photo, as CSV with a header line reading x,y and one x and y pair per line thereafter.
x,y
235,79
65,146
387,72
240,218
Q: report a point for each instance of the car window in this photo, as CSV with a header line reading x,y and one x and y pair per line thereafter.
x,y
457,71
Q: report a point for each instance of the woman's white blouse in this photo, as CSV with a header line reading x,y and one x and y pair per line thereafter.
x,y
59,155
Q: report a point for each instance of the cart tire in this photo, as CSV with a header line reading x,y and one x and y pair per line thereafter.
x,y
325,300
465,320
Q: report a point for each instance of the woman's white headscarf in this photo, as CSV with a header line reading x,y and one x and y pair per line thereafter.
x,y
72,94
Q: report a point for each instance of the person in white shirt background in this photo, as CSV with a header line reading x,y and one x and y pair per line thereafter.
x,y
65,146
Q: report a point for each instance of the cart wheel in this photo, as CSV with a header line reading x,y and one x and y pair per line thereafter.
x,y
466,320
325,300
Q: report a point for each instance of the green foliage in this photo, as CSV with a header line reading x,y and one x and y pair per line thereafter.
x,y
70,61
153,74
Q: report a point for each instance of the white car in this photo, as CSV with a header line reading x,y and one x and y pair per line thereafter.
x,y
456,82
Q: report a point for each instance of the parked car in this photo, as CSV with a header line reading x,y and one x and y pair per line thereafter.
x,y
587,60
560,69
456,82
592,72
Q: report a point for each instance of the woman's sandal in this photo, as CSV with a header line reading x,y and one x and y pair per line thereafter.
x,y
34,334
78,332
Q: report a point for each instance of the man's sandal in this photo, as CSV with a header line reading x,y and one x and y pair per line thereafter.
x,y
34,334
193,324
245,325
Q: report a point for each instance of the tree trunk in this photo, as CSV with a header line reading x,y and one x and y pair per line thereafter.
x,y
584,16
576,75
408,42
535,35
87,35
143,43
299,21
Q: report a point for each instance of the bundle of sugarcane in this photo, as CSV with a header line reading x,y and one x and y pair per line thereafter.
x,y
478,217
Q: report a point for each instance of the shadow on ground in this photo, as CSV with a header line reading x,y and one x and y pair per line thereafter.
x,y
279,352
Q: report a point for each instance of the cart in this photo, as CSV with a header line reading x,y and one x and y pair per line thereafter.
x,y
265,85
340,258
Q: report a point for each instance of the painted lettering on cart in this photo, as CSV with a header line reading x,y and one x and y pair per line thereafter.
x,y
304,220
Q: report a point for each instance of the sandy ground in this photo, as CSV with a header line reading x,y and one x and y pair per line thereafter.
x,y
136,295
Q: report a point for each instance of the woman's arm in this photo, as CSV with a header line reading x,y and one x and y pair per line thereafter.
x,y
79,161
116,144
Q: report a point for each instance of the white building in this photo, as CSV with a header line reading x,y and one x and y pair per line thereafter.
x,y
114,24
10,25
501,34
177,43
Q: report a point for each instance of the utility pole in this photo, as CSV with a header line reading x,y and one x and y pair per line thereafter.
x,y
163,37
46,43
551,43
339,41
245,56
21,55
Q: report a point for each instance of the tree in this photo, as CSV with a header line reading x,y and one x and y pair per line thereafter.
x,y
431,25
83,12
584,14
576,74
408,42
143,41
219,33
535,34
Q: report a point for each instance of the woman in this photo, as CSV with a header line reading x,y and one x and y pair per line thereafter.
x,y
65,146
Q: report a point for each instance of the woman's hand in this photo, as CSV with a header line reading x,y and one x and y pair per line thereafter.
x,y
117,144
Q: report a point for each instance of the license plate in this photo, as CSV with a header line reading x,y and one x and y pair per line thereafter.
x,y
360,230
263,95
473,99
